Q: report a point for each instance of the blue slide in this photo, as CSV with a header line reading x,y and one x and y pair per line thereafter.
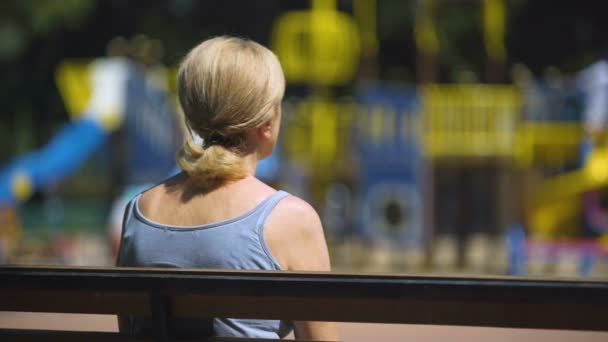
x,y
60,158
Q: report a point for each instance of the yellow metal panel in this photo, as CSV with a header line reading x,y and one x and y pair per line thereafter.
x,y
470,120
73,81
320,46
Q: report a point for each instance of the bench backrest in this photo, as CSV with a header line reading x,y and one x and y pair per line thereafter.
x,y
164,293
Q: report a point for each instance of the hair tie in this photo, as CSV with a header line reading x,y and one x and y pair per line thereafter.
x,y
217,138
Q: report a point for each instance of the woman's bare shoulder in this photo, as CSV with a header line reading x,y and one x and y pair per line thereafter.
x,y
171,182
156,196
147,198
294,234
296,213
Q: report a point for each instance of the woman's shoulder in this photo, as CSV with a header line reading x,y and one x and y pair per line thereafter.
x,y
295,235
295,208
148,197
170,184
197,206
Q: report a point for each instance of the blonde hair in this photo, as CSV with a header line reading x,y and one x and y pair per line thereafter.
x,y
226,86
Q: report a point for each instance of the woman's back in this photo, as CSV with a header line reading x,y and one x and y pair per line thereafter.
x,y
176,202
199,236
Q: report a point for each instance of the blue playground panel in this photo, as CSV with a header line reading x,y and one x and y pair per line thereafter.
x,y
152,132
388,150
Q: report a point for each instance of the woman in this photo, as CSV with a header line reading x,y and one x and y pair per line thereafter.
x,y
216,214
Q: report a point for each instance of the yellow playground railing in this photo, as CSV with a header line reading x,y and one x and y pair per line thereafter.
x,y
470,120
481,120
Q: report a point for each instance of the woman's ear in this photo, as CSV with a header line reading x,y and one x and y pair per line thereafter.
x,y
265,131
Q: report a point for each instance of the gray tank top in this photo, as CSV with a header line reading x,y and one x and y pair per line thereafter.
x,y
237,243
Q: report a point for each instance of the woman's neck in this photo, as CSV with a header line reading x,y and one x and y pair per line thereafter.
x,y
250,161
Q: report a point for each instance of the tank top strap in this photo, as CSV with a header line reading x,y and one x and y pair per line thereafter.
x,y
265,211
126,227
269,204
131,208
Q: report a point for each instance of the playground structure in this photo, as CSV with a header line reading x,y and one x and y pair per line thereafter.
x,y
461,126
466,124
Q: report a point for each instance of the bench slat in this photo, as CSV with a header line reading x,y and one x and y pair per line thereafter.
x,y
64,301
475,301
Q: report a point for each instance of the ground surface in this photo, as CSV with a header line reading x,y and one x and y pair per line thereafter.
x,y
351,332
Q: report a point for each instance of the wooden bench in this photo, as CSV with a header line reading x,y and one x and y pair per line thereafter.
x,y
162,294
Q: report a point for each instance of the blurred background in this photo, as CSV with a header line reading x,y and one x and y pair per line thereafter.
x,y
432,136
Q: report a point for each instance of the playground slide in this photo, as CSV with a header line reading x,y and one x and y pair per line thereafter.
x,y
595,214
559,197
69,148
556,204
593,175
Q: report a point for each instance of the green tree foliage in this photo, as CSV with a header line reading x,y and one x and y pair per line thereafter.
x,y
23,21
